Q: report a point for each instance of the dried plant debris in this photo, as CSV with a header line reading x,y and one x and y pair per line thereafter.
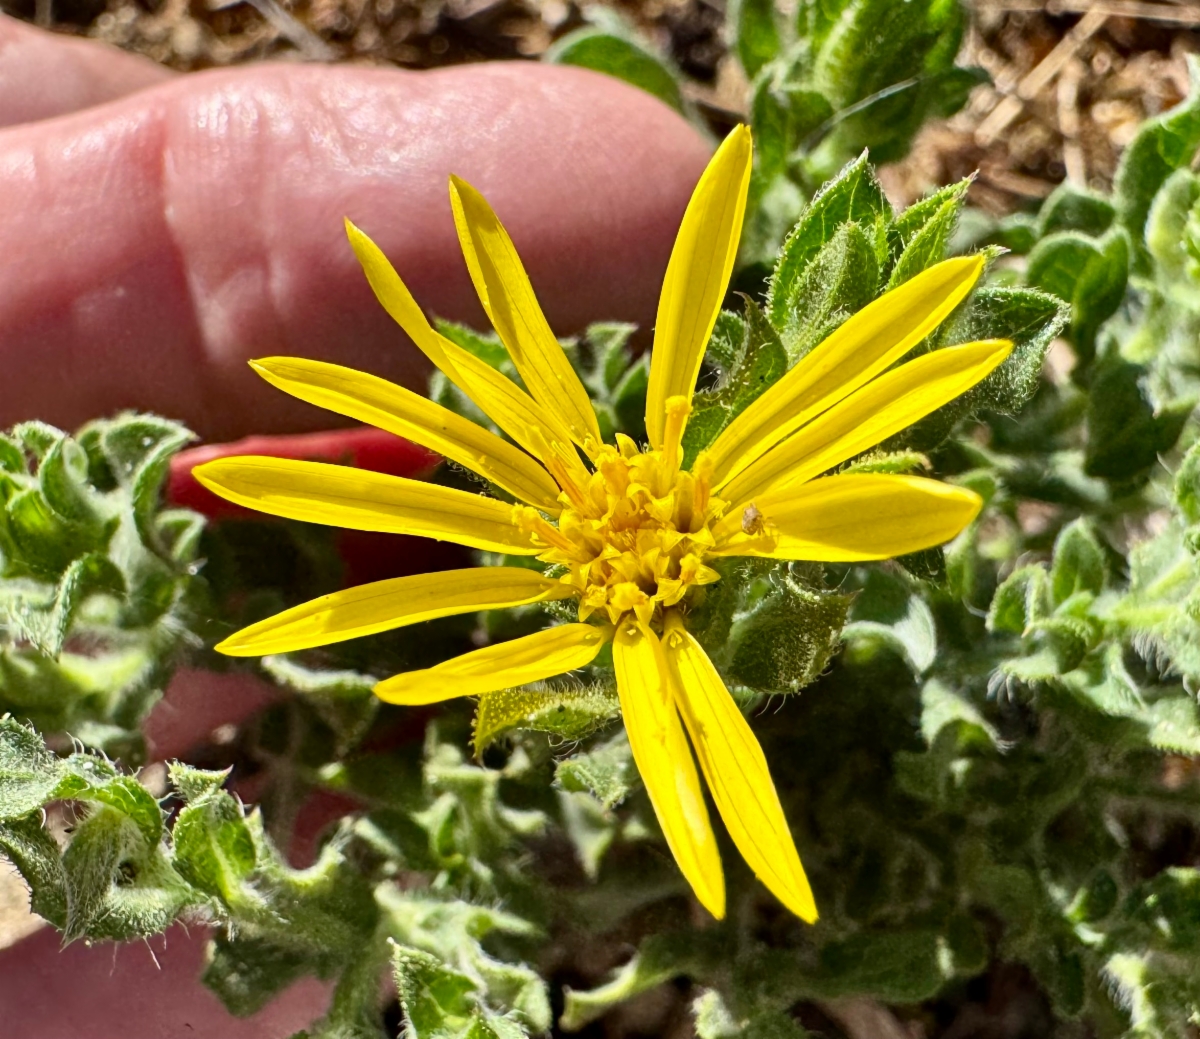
x,y
195,34
1068,93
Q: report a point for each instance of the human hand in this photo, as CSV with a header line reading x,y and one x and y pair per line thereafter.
x,y
160,230
162,239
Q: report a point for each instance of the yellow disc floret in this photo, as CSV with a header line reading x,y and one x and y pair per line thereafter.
x,y
634,531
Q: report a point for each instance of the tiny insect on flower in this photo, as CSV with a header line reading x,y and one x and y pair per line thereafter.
x,y
628,531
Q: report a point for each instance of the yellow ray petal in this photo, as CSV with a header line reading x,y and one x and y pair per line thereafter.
x,y
507,296
664,760
340,496
543,654
869,416
393,294
384,605
735,769
407,414
853,517
697,277
505,403
866,344
509,406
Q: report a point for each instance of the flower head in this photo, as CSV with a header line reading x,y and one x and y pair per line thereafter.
x,y
626,531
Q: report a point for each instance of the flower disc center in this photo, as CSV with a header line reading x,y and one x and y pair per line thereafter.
x,y
633,532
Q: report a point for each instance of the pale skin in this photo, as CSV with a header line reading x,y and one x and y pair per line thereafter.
x,y
164,229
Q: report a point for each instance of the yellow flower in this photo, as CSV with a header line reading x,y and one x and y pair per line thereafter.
x,y
632,530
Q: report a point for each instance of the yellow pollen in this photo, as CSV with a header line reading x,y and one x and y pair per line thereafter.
x,y
635,532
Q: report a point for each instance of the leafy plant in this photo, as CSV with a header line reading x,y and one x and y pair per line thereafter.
x,y
987,754
98,585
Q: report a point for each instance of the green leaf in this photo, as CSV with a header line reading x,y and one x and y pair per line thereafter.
x,y
246,972
90,863
887,67
853,195
38,438
898,965
62,479
1167,227
841,279
943,708
629,398
45,624
1057,260
1159,611
755,33
1095,899
611,48
1162,145
146,898
1088,273
1126,434
1031,320
895,462
139,450
214,848
815,19
354,1012
1072,208
1022,599
131,799
905,625
29,772
610,341
785,641
606,772
727,345
34,852
1187,485
590,826
45,543
713,1019
782,115
195,784
571,713
1099,290
1103,683
438,1002
1168,907
12,455
658,960
1174,725
1078,563
921,235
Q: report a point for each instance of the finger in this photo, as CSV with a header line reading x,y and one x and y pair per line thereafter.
x,y
164,239
197,704
44,75
151,991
